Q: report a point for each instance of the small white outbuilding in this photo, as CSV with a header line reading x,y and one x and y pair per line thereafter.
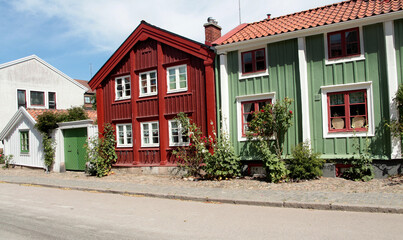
x,y
22,140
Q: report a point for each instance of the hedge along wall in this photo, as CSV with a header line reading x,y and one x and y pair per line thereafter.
x,y
283,78
373,68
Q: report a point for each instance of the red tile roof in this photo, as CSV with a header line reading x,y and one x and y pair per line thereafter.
x,y
92,114
85,84
326,15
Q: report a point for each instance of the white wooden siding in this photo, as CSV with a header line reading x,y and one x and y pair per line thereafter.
x,y
12,146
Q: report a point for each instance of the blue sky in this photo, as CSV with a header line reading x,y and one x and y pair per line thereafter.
x,y
71,35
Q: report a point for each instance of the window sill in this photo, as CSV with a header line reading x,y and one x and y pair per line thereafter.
x,y
345,59
148,95
124,146
127,100
347,134
150,146
177,91
252,75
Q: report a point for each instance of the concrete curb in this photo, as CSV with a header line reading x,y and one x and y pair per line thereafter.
x,y
283,204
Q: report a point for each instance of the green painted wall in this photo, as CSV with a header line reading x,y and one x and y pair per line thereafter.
x,y
373,68
399,48
282,79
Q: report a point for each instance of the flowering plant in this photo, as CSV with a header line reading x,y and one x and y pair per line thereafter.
x,y
272,123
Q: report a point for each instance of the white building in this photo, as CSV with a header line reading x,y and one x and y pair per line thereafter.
x,y
31,82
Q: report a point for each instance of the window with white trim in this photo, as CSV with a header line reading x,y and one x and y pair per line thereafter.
x,y
52,100
177,78
150,134
124,135
122,88
37,98
246,106
148,83
347,110
24,141
176,135
254,61
344,43
21,98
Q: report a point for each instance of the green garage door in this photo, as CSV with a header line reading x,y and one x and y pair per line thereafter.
x,y
74,151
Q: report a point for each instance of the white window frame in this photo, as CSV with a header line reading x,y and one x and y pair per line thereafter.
x,y
149,93
254,74
177,81
342,88
150,137
180,136
256,97
125,144
123,88
344,59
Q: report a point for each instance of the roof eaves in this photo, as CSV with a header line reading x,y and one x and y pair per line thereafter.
x,y
14,120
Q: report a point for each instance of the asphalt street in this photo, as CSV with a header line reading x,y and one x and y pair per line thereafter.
x,y
32,212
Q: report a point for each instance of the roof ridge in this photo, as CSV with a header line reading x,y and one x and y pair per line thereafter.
x,y
308,10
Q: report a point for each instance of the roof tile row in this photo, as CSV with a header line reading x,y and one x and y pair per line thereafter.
x,y
326,15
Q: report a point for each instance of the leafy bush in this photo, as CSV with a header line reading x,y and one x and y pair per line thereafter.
x,y
223,163
49,150
396,126
362,169
1,158
304,164
196,158
76,114
8,160
268,130
101,153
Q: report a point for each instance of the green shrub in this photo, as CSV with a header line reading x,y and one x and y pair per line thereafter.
x,y
8,161
268,130
223,163
49,150
101,153
304,164
196,158
362,169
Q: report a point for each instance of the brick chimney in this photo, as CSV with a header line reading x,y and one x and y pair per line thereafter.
x,y
212,31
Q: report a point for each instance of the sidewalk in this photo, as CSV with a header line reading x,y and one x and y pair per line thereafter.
x,y
323,200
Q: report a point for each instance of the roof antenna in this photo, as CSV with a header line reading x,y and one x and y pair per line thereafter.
x,y
90,70
239,4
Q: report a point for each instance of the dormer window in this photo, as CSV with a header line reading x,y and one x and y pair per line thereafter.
x,y
254,61
345,43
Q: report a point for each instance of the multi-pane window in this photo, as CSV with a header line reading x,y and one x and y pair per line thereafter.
x,y
177,78
52,100
87,99
344,43
24,141
148,83
149,134
37,98
176,135
124,135
347,111
21,98
122,87
253,61
248,108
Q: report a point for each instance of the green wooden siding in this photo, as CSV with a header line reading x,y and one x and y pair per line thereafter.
x,y
282,79
373,68
398,24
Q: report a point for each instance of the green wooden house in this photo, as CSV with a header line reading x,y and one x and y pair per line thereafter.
x,y
341,63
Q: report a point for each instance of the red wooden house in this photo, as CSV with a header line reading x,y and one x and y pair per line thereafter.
x,y
152,76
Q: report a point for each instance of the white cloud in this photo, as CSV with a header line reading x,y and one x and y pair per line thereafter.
x,y
105,24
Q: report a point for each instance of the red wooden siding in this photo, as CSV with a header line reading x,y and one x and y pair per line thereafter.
x,y
125,157
146,54
149,156
147,107
177,103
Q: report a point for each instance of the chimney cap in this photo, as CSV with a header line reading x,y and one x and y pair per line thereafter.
x,y
212,22
268,15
